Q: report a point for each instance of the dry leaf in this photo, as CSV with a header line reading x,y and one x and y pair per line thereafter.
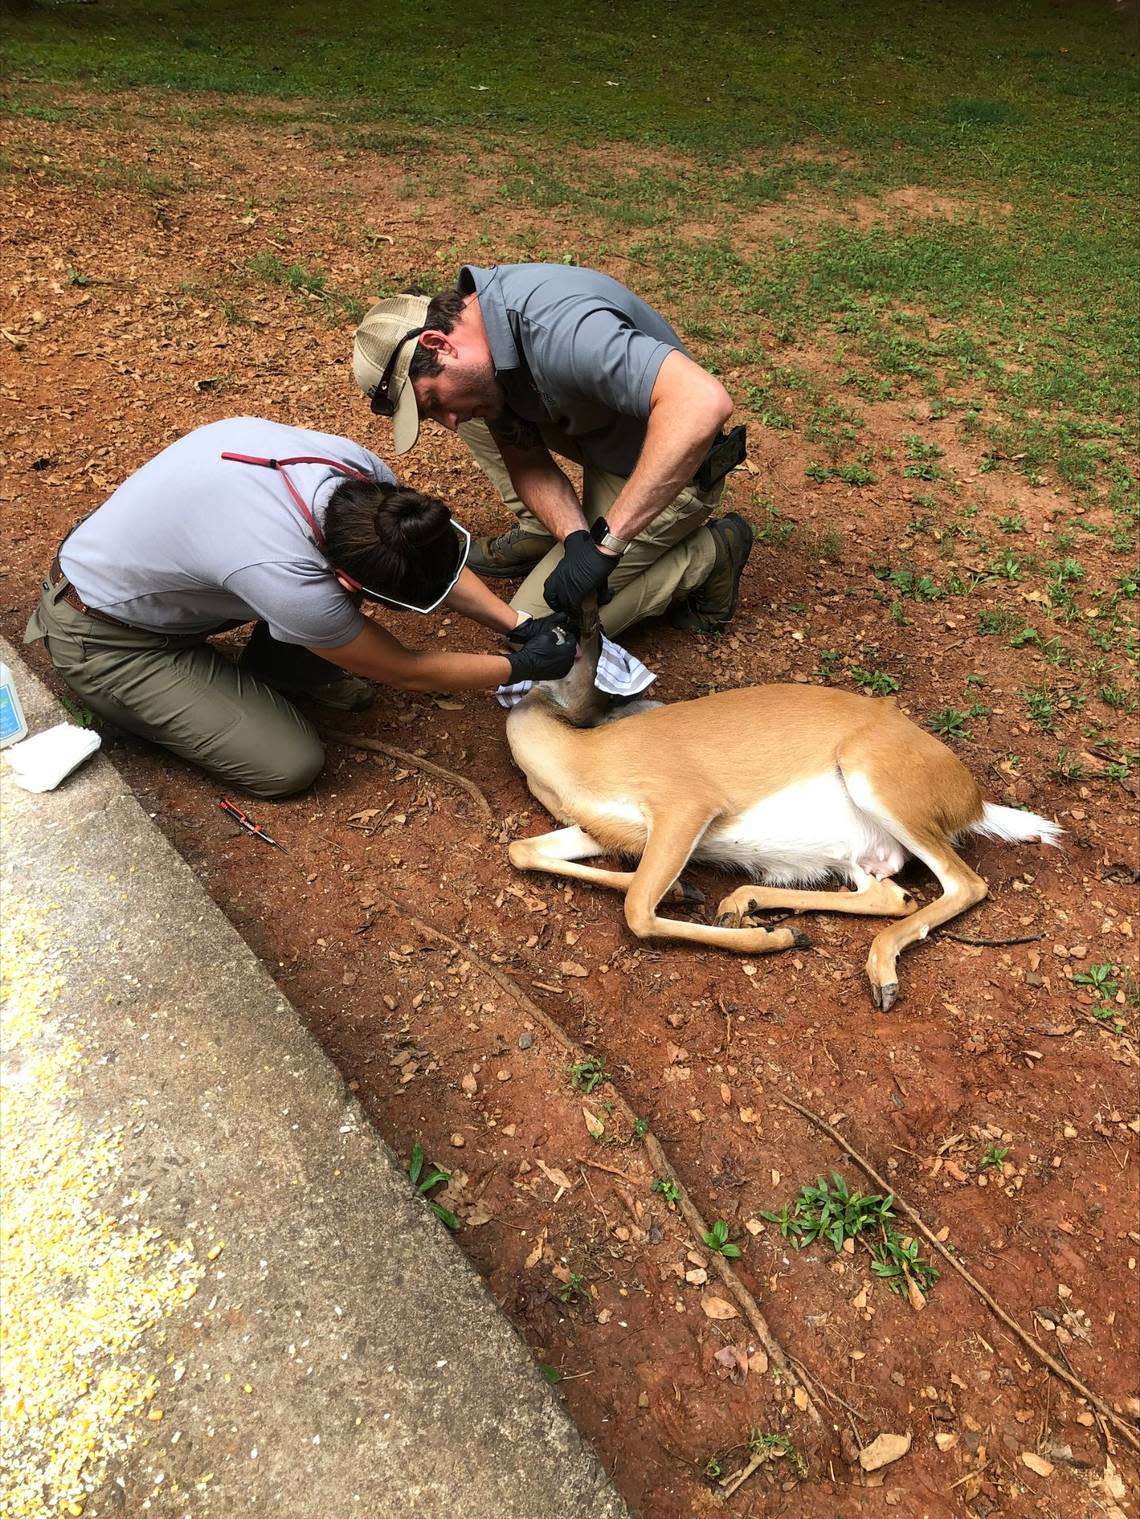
x,y
882,1451
758,1363
946,1441
572,968
1037,1463
733,1360
800,1399
717,1308
552,1173
535,1255
448,703
594,1126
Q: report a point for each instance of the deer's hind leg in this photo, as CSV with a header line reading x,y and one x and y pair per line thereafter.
x,y
872,898
670,843
560,852
897,807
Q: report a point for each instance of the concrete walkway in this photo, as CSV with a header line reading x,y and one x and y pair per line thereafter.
x,y
221,1296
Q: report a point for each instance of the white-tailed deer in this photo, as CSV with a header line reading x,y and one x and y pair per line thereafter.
x,y
792,784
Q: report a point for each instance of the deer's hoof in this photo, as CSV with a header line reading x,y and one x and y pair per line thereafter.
x,y
885,997
800,940
688,892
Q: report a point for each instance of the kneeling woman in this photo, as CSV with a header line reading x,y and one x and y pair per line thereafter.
x,y
251,521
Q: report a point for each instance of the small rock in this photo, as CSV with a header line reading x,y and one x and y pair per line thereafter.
x,y
458,1141
525,1040
883,1450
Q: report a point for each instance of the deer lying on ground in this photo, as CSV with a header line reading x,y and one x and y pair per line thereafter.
x,y
792,784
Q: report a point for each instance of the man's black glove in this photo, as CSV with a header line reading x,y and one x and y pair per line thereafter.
x,y
548,656
582,570
534,627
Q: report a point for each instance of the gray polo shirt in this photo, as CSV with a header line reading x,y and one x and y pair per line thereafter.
x,y
575,350
192,540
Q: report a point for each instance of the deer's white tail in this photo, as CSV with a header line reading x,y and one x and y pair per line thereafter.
x,y
1013,826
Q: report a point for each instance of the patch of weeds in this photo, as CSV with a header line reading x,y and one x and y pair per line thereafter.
x,y
1027,635
1057,653
850,474
877,682
640,1128
1007,567
82,715
829,546
75,277
667,1187
828,661
774,1445
1066,767
1099,979
1041,704
549,1373
909,583
713,1467
423,1179
778,529
830,1211
898,616
586,1075
718,1241
1014,523
574,1289
949,722
994,1158
305,282
1113,696
975,680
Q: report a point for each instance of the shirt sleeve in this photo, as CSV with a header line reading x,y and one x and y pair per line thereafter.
x,y
300,603
589,351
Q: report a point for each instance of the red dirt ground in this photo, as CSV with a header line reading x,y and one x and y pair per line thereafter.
x,y
989,1044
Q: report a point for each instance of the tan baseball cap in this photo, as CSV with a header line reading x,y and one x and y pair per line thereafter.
x,y
381,353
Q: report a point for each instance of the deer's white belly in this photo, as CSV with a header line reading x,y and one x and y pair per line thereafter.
x,y
802,835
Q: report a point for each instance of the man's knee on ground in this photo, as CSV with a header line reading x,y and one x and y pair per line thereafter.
x,y
294,771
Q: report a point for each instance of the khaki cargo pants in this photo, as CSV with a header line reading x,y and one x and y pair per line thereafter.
x,y
670,557
185,695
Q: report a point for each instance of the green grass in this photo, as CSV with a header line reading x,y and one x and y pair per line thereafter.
x,y
1013,315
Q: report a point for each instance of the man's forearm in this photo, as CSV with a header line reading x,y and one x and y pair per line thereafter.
x,y
544,490
687,410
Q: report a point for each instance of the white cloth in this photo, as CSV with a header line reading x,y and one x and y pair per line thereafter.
x,y
40,763
619,673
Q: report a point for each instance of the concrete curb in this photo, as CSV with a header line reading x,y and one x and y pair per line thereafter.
x,y
339,1357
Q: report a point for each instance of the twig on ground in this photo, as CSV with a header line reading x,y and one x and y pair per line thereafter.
x,y
416,762
612,1170
994,1306
657,1157
994,943
730,1484
823,1387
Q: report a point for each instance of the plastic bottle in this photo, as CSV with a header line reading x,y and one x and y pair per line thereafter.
x,y
12,722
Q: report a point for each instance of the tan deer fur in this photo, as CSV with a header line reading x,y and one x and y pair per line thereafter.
x,y
791,784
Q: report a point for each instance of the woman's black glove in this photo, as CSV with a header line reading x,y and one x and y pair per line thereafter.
x,y
582,570
534,627
548,656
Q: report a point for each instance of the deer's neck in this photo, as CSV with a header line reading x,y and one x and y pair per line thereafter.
x,y
547,749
